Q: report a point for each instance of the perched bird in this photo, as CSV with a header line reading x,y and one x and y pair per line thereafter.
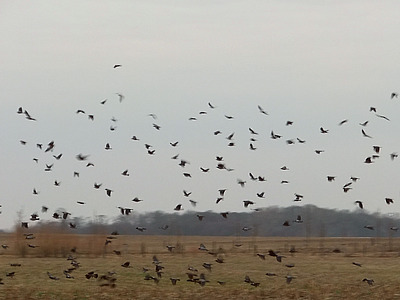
x,y
81,157
331,178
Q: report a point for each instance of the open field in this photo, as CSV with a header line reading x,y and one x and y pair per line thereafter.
x,y
319,272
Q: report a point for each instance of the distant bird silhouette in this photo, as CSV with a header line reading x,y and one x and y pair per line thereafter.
x,y
117,66
121,97
261,110
322,130
365,134
298,219
178,207
360,204
108,192
224,214
81,157
389,200
246,203
368,160
382,117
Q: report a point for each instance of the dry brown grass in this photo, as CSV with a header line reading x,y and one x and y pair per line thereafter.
x,y
319,273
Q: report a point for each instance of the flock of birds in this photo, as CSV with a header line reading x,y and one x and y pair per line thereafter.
x,y
53,155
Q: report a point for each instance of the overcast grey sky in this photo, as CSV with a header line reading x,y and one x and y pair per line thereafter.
x,y
315,63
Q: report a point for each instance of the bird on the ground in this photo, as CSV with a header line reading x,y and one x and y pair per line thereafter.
x,y
369,281
52,276
202,247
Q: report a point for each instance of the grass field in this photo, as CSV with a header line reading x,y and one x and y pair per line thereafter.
x,y
319,272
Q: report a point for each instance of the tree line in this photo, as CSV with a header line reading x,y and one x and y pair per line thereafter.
x,y
294,221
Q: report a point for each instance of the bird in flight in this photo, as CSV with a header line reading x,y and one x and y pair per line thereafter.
x,y
121,97
359,203
261,110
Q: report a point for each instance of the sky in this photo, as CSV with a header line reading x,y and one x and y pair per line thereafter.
x,y
315,63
